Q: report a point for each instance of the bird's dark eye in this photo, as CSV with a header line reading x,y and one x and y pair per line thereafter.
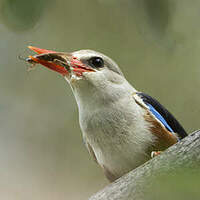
x,y
96,62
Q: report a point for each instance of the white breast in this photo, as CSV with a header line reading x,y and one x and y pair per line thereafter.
x,y
117,134
112,122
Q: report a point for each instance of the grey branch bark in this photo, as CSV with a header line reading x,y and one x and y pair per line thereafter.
x,y
184,154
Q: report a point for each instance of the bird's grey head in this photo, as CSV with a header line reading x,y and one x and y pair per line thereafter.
x,y
94,68
97,77
97,61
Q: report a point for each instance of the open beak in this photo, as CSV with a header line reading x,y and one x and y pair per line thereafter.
x,y
63,63
53,60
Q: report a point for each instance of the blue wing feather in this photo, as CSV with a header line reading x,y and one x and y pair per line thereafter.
x,y
163,115
159,117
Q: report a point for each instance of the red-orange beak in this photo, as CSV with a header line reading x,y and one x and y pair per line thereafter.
x,y
62,63
51,59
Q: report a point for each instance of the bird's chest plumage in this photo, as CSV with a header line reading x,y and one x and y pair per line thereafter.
x,y
117,135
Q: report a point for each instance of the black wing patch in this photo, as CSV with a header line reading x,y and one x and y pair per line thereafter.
x,y
169,118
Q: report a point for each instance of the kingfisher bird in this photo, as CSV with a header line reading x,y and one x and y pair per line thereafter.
x,y
122,128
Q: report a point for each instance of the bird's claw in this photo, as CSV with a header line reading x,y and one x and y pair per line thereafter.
x,y
155,153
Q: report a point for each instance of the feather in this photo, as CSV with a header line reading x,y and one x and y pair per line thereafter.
x,y
163,115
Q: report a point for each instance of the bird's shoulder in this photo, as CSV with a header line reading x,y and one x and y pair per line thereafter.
x,y
160,113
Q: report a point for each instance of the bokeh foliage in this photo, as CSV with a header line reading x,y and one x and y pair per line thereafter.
x,y
22,15
182,184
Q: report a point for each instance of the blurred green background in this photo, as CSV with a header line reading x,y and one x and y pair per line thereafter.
x,y
181,185
155,42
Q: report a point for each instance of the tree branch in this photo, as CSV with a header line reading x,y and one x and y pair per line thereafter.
x,y
184,154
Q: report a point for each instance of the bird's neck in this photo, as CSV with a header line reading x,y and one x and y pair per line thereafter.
x,y
89,97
